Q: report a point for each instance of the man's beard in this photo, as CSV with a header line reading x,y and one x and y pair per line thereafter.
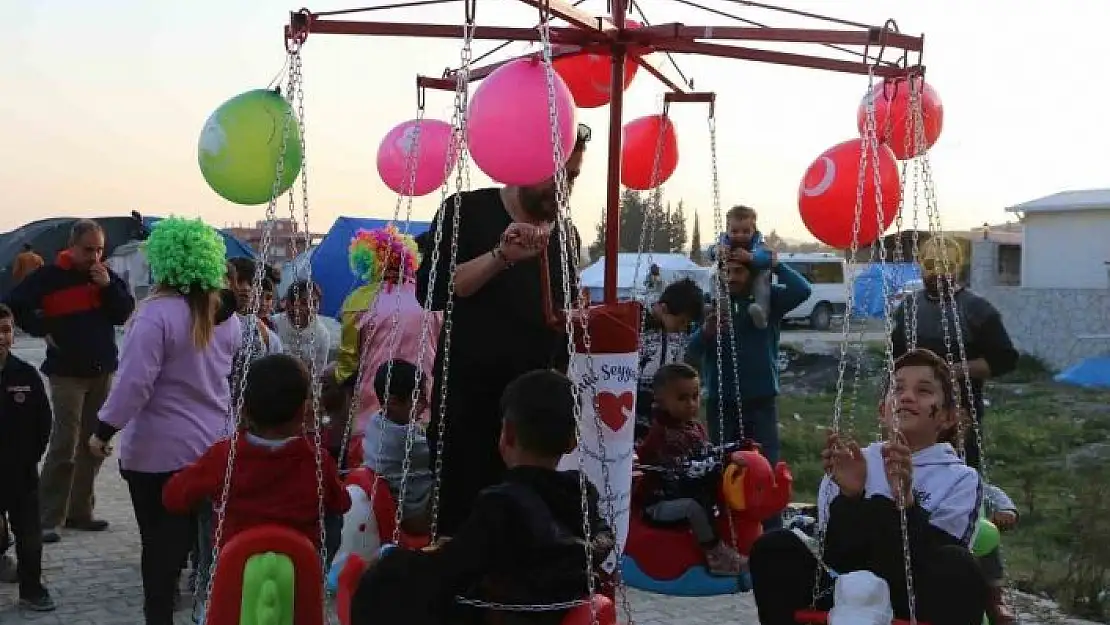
x,y
538,205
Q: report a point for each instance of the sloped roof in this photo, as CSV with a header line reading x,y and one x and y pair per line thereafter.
x,y
1066,201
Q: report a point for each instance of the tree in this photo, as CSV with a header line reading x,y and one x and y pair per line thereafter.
x,y
668,227
696,254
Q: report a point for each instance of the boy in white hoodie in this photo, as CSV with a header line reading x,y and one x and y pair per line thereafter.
x,y
859,508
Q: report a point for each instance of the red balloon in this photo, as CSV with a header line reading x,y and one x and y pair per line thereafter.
x,y
892,108
641,141
582,615
827,195
588,75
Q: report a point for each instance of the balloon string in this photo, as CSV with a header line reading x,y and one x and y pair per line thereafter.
x,y
278,77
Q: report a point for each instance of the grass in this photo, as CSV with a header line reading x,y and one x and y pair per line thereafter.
x,y
1041,447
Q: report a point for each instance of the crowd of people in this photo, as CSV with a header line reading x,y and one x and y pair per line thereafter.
x,y
209,376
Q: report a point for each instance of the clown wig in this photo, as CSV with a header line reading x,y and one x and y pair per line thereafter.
x,y
373,252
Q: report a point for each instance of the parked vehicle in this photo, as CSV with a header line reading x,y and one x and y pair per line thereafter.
x,y
825,271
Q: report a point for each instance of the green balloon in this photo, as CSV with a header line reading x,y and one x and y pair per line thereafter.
x,y
241,145
987,538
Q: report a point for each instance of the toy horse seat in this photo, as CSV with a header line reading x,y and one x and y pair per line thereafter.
x,y
267,575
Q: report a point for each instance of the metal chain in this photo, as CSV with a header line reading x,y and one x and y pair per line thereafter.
x,y
247,351
458,148
519,607
842,364
871,141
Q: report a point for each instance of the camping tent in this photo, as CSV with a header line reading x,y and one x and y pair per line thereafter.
x,y
868,290
330,266
1089,373
672,267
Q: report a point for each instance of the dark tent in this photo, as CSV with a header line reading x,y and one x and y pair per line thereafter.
x,y
50,236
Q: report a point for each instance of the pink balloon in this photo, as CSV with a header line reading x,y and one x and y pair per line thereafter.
x,y
509,130
433,158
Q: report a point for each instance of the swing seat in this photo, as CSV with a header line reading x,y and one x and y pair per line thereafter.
x,y
267,575
821,617
385,508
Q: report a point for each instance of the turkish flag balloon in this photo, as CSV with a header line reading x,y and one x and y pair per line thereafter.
x,y
641,141
827,195
589,75
893,123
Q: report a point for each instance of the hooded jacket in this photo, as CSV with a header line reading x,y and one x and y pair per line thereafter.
x,y
77,316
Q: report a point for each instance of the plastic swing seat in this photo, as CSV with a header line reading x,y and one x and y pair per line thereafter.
x,y
820,617
385,508
267,575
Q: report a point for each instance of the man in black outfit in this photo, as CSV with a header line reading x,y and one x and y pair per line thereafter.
x,y
987,345
498,329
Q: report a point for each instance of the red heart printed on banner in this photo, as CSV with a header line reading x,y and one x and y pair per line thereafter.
x,y
615,410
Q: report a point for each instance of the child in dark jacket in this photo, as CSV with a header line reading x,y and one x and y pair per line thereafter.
x,y
666,331
676,435
272,451
524,542
24,432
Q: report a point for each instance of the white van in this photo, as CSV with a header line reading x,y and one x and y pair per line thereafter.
x,y
826,272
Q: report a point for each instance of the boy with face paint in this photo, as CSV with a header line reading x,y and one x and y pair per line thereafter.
x,y
859,507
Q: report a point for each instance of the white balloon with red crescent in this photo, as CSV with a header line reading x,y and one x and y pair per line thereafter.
x,y
826,181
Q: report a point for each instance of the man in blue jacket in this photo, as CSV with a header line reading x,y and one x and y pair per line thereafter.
x,y
757,354
74,304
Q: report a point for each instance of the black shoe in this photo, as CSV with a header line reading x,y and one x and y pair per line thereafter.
x,y
88,525
50,535
41,603
9,573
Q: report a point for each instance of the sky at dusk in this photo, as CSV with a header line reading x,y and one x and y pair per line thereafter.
x,y
102,104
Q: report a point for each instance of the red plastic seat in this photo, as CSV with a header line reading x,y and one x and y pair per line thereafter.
x,y
227,590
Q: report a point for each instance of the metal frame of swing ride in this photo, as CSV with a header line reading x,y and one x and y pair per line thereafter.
x,y
587,32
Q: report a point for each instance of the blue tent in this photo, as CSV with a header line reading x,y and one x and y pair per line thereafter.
x,y
330,266
235,247
867,287
1089,373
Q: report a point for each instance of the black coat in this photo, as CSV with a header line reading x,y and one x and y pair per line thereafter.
x,y
25,422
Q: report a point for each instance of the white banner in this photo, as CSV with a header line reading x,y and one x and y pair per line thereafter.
x,y
607,381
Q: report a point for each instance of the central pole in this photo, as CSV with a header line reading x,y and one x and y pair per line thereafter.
x,y
616,127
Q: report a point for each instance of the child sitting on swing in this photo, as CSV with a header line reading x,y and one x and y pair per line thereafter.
x,y
388,434
676,435
276,470
858,506
524,542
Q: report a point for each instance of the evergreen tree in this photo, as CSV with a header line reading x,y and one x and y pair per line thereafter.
x,y
696,254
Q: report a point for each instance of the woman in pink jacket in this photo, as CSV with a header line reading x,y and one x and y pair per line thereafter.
x,y
394,325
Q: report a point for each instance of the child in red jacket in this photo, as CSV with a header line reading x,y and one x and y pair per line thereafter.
x,y
277,468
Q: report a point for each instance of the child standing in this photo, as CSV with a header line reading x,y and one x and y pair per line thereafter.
x,y
1004,514
524,541
300,328
676,435
385,441
863,525
24,433
273,450
742,242
664,340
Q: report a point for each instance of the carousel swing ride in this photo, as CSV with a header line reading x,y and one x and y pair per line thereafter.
x,y
607,331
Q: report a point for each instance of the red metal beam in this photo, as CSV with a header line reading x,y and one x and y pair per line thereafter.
x,y
616,138
784,58
649,35
316,25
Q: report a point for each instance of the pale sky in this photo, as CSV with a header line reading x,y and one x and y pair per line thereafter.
x,y
103,103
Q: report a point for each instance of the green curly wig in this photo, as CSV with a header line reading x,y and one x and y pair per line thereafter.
x,y
186,254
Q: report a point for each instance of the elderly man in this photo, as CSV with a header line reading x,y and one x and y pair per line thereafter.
x,y
499,330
